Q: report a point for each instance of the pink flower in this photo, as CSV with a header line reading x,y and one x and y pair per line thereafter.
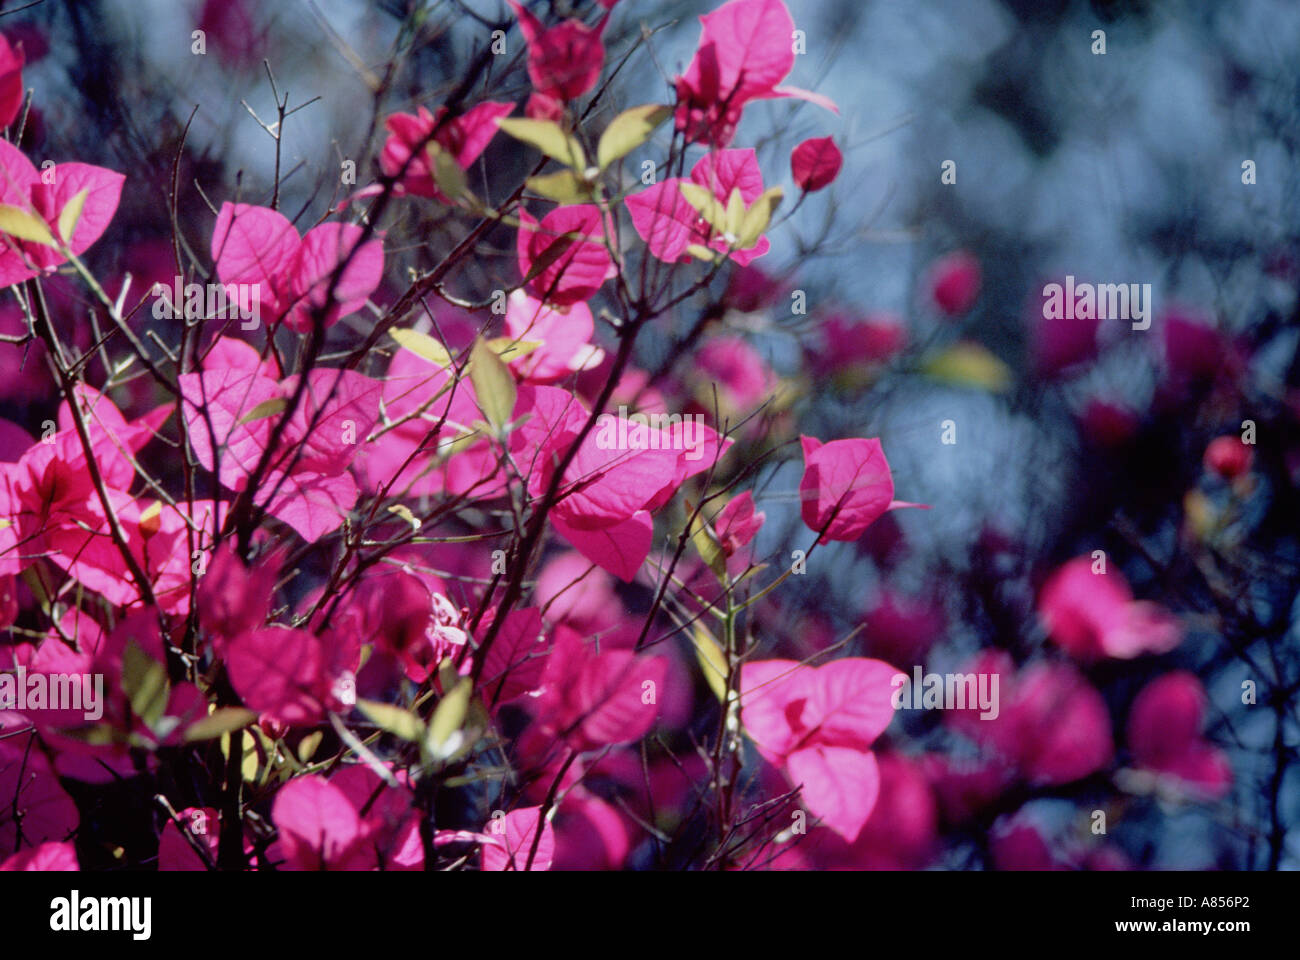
x,y
464,137
564,61
583,263
815,164
623,470
1017,843
1164,733
230,25
257,245
509,842
850,342
745,52
22,187
954,283
233,598
319,828
517,657
11,81
818,725
34,807
307,484
846,487
1228,457
902,630
1194,349
1092,615
1052,725
737,523
1108,424
290,676
736,367
668,223
594,699
53,509
564,337
49,857
1059,344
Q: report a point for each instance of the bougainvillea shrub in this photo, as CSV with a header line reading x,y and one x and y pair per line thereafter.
x,y
450,457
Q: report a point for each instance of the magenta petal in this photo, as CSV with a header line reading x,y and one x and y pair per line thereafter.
x,y
512,842
318,827
620,549
839,785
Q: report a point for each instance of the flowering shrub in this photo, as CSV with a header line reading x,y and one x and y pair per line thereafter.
x,y
455,519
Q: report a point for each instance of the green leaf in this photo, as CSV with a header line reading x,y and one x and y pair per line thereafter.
x,y
447,173
448,719
399,722
970,364
144,681
403,511
423,346
709,549
735,214
267,408
548,137
563,186
309,744
220,721
493,385
95,735
629,130
508,349
250,759
705,204
70,215
713,662
17,222
758,217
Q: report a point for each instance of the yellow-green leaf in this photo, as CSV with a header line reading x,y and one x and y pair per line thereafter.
x,y
144,681
548,137
735,214
220,721
250,760
403,511
971,365
309,744
563,186
70,215
493,385
423,346
447,173
629,130
509,349
17,222
758,217
705,204
267,408
400,723
713,662
448,718
95,735
709,549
